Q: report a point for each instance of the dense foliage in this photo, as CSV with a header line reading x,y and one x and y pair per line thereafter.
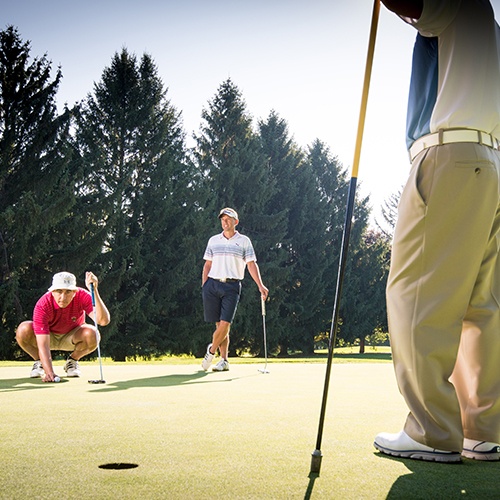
x,y
110,186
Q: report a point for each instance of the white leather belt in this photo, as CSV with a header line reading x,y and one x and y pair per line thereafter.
x,y
450,136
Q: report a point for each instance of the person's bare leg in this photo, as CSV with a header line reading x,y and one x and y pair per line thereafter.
x,y
25,337
85,342
220,335
224,348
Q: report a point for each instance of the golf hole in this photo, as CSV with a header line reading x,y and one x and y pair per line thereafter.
x,y
118,466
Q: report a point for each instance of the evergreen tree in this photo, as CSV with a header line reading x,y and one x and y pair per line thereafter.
x,y
319,234
390,215
362,300
363,306
36,187
230,155
284,161
132,146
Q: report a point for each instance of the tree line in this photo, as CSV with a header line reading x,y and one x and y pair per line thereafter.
x,y
109,185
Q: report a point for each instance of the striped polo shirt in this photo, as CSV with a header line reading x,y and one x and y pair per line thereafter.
x,y
229,256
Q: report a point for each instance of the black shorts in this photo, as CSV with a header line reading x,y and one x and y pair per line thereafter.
x,y
220,300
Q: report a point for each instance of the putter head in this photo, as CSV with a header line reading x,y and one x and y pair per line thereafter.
x,y
263,371
97,381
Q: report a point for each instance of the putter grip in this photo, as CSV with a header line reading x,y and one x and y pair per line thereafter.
x,y
263,305
92,293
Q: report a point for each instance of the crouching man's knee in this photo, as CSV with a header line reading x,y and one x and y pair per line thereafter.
x,y
86,338
25,334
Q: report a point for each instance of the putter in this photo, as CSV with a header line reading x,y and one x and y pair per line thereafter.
x,y
98,336
316,454
263,306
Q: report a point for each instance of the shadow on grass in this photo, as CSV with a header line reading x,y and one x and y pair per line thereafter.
x,y
22,384
471,479
310,486
12,385
166,381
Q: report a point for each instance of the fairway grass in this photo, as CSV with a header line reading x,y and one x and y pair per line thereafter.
x,y
194,435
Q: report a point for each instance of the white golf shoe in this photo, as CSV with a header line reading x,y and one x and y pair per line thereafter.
x,y
71,368
207,360
481,450
221,366
37,370
402,445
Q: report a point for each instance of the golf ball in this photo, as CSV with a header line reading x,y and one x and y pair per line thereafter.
x,y
57,379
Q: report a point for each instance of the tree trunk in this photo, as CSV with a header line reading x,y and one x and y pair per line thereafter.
x,y
362,345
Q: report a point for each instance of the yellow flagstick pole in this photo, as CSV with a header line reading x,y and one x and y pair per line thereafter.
x,y
317,455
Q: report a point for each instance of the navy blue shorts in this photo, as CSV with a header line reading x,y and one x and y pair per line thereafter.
x,y
220,300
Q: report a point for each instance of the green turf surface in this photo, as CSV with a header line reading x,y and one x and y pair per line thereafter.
x,y
195,435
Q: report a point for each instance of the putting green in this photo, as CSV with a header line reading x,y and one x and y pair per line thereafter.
x,y
194,435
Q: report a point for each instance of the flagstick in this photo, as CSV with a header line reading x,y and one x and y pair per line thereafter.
x,y
317,455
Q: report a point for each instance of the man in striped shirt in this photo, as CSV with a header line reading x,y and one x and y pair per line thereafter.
x,y
226,257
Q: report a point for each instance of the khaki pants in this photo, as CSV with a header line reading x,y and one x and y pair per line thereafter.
x,y
64,342
443,296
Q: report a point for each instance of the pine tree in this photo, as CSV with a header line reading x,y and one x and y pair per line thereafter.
x,y
36,187
390,215
132,146
363,306
230,155
317,227
284,161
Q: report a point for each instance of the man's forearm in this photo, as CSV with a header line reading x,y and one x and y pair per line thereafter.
x,y
254,271
43,344
206,269
102,313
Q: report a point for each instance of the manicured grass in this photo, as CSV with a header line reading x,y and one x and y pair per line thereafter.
x,y
341,354
195,435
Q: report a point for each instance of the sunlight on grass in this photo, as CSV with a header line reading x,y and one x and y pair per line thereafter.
x,y
240,434
341,354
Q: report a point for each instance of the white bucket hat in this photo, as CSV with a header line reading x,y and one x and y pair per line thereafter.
x,y
63,281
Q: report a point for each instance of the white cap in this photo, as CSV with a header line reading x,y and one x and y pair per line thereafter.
x,y
229,211
63,281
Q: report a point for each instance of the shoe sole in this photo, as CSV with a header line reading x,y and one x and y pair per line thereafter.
x,y
427,456
492,455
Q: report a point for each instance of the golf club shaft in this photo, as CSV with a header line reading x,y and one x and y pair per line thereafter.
x,y
263,307
317,455
98,335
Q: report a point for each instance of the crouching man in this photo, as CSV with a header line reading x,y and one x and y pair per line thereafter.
x,y
59,324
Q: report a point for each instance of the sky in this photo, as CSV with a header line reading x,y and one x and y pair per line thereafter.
x,y
303,59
